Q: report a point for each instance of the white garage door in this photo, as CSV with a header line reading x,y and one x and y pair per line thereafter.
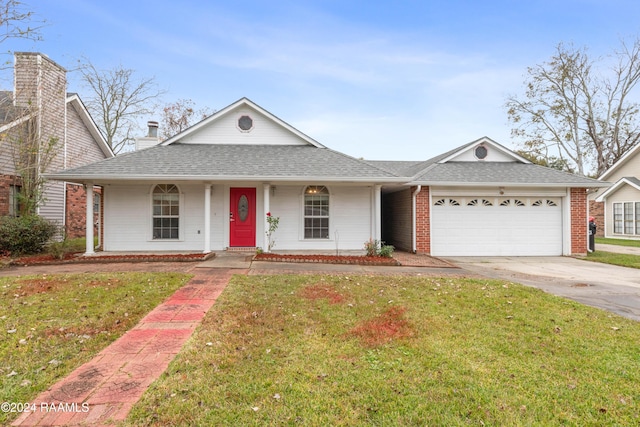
x,y
490,226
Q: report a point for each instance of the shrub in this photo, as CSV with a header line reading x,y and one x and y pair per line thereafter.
x,y
371,247
386,251
25,234
374,247
61,249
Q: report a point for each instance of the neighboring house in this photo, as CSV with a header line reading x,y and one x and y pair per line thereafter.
x,y
621,201
211,187
40,109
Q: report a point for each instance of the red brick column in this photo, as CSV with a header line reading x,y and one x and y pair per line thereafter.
x,y
423,221
579,221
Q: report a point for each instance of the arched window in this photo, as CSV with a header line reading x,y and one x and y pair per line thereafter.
x,y
166,212
316,212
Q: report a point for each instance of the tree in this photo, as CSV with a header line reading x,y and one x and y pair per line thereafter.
x,y
32,152
118,101
552,162
15,21
179,115
570,112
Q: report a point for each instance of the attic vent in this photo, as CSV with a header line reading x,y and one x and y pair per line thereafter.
x,y
245,123
480,152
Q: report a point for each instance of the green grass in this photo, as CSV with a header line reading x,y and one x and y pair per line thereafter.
x,y
351,351
624,260
49,325
619,242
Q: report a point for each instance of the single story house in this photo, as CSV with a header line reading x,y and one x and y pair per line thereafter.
x,y
211,188
622,200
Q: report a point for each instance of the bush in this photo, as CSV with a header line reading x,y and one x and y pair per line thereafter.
x,y
377,248
371,247
25,234
386,251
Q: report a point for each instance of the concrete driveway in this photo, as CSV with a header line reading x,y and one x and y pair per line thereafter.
x,y
613,288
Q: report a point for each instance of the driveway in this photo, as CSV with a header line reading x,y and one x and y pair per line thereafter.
x,y
613,288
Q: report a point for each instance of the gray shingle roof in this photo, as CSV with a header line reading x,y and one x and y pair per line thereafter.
x,y
633,179
500,173
292,162
206,161
8,112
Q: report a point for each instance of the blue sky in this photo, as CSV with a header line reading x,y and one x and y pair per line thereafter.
x,y
397,80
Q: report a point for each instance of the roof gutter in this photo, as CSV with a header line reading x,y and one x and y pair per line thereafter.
x,y
590,184
214,178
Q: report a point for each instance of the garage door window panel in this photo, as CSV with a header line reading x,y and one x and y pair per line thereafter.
x,y
512,202
479,202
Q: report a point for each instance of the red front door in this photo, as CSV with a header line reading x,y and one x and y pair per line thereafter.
x,y
242,217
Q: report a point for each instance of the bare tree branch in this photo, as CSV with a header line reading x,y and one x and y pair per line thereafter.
x,y
179,115
583,115
119,101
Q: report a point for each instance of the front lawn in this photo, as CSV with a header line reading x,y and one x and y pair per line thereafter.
x,y
619,242
51,324
337,350
624,260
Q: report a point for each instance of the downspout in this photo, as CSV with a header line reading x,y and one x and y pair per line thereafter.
x,y
64,166
415,220
38,118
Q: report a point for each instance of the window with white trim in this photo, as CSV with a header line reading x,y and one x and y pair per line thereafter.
x,y
14,200
626,218
166,212
316,212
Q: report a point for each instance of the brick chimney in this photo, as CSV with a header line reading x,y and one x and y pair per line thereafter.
x,y
40,85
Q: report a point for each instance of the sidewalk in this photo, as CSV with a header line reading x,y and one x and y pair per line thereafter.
x,y
618,249
117,377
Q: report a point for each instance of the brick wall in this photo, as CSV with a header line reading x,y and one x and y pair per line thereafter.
x,y
596,210
76,209
579,221
6,181
423,221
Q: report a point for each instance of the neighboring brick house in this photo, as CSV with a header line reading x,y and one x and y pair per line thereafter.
x,y
40,107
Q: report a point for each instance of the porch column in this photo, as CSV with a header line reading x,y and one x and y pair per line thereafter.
x,y
89,219
207,218
377,215
266,208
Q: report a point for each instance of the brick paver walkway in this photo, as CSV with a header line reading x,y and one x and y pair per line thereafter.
x,y
103,391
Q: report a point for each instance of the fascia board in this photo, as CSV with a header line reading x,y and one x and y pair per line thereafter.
x,y
15,123
615,187
490,142
212,178
91,125
506,184
243,101
622,160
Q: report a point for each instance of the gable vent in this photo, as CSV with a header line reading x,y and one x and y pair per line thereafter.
x,y
481,152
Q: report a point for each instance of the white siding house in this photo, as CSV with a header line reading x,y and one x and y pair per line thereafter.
x,y
211,188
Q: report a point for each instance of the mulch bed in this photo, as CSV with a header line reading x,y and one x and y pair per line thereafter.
x,y
73,258
327,259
